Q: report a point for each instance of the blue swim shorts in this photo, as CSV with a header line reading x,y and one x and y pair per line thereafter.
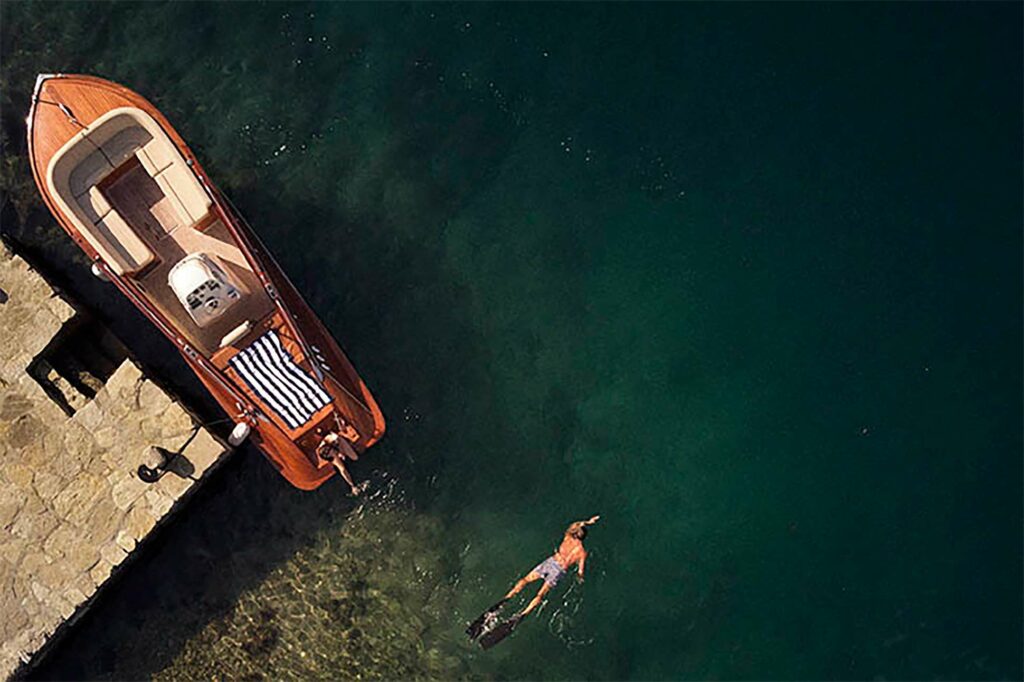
x,y
550,571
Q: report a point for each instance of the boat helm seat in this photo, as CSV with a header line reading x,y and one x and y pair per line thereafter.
x,y
203,288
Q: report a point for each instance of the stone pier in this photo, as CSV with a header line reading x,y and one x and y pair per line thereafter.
x,y
77,418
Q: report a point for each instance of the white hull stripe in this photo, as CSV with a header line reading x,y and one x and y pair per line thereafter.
x,y
269,370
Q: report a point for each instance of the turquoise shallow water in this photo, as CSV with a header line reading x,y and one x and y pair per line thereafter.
x,y
743,279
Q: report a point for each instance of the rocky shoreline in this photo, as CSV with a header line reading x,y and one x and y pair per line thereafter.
x,y
77,419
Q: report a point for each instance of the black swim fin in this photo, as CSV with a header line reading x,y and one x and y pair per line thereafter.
x,y
486,620
499,633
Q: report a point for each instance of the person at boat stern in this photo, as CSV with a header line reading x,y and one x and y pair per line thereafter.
x,y
569,553
335,450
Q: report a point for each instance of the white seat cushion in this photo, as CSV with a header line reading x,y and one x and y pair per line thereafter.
x,y
128,253
179,181
94,204
159,154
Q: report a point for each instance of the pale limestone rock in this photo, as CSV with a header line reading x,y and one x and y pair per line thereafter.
x,y
116,408
47,410
34,525
33,504
74,596
84,584
12,500
203,451
75,434
140,521
40,591
104,522
37,334
19,475
15,317
100,468
81,555
21,641
52,438
48,484
8,570
127,489
15,367
61,604
100,572
112,553
152,427
104,401
31,642
152,400
176,426
60,308
34,456
159,504
55,575
125,541
12,548
172,485
129,439
14,620
105,437
59,540
79,450
23,282
77,500
122,382
89,417
21,587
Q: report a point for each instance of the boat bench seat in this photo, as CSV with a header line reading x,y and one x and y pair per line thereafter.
x,y
72,177
126,132
179,183
93,154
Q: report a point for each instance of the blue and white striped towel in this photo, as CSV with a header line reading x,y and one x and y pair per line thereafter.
x,y
272,374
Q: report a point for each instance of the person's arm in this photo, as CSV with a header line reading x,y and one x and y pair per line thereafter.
x,y
580,524
579,566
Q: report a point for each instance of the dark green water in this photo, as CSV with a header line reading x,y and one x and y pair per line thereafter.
x,y
743,279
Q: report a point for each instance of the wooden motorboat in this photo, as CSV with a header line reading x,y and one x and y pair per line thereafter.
x,y
128,190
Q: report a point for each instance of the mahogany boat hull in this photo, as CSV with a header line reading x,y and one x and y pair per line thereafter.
x,y
64,107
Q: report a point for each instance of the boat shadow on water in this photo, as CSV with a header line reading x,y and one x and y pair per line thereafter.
x,y
248,554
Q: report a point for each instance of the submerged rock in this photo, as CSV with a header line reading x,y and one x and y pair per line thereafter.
x,y
347,605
